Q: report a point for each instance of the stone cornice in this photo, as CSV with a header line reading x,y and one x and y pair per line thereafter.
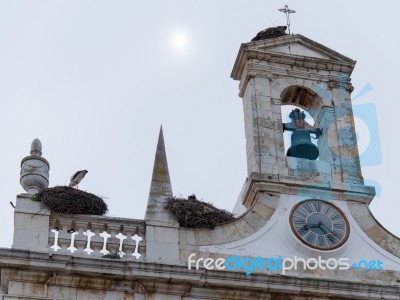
x,y
259,50
268,183
152,276
98,220
254,68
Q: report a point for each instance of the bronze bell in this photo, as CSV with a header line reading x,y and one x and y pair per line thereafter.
x,y
302,146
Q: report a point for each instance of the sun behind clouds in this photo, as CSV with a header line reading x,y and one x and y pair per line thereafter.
x,y
179,40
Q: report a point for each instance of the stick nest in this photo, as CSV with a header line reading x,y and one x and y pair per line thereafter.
x,y
195,213
64,199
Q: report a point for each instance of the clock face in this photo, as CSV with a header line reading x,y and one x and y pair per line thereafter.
x,y
319,224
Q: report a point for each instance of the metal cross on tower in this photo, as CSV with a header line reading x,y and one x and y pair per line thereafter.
x,y
287,11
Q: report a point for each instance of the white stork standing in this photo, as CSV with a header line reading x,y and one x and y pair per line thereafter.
x,y
77,177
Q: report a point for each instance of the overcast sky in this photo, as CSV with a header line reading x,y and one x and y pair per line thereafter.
x,y
94,80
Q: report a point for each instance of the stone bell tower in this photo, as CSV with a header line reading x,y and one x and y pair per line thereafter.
x,y
293,70
318,195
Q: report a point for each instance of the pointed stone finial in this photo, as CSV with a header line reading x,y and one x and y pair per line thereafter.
x,y
160,189
35,170
36,148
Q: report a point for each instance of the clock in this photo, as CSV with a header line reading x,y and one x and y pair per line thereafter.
x,y
319,224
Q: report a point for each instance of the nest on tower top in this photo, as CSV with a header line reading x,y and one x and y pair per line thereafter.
x,y
195,213
270,33
68,200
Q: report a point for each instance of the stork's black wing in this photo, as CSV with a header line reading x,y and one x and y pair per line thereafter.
x,y
75,175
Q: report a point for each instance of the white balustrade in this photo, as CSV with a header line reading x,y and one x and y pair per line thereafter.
x,y
89,239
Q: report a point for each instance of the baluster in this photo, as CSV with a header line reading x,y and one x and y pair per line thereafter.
x,y
72,247
89,235
121,238
137,239
105,236
55,247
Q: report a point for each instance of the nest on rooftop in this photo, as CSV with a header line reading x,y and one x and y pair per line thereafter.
x,y
195,213
270,33
68,200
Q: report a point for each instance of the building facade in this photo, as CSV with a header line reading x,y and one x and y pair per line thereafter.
x,y
303,228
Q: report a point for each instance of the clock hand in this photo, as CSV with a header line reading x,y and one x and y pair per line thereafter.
x,y
326,228
313,225
331,232
322,229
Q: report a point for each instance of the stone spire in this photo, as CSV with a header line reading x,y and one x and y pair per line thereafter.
x,y
160,189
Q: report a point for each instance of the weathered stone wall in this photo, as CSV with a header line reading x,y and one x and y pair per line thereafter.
x,y
30,276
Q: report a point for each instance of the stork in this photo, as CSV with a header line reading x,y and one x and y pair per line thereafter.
x,y
77,177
